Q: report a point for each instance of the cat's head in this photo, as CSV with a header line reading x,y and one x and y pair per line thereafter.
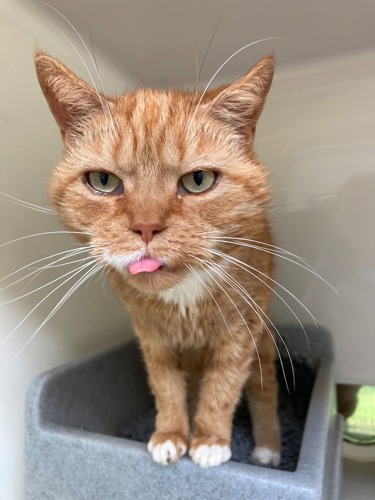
x,y
153,178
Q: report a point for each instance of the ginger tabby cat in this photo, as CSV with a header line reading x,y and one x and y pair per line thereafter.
x,y
166,189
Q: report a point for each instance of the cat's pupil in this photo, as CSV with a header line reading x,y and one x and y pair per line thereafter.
x,y
103,178
198,177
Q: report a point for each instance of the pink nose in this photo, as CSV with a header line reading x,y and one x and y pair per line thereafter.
x,y
147,231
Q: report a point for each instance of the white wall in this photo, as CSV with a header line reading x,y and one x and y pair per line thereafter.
x,y
317,136
30,140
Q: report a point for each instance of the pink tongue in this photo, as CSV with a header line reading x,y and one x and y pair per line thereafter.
x,y
144,266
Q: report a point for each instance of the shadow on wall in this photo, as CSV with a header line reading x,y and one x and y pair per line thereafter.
x,y
334,231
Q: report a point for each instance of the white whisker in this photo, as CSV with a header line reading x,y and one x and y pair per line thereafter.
x,y
273,250
64,264
204,262
66,296
26,204
218,71
233,239
77,271
103,276
244,294
66,255
103,102
276,251
42,234
254,272
42,286
199,70
215,302
53,264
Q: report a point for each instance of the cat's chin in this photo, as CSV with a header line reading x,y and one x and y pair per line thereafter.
x,y
156,281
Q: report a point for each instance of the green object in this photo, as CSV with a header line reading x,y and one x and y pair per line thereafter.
x,y
360,427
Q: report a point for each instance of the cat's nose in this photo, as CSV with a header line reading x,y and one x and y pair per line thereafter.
x,y
147,230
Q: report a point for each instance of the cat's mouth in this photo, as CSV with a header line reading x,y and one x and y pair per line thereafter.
x,y
139,264
150,274
145,265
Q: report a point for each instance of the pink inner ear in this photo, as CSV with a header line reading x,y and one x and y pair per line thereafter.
x,y
144,266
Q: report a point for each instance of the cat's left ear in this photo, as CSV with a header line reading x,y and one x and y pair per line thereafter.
x,y
240,104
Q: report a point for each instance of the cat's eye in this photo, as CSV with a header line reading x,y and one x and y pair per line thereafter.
x,y
104,183
198,181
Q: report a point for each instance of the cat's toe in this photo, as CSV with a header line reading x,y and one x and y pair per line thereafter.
x,y
166,448
210,455
266,456
164,453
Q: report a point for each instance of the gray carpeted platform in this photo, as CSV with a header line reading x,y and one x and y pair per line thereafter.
x,y
78,414
293,408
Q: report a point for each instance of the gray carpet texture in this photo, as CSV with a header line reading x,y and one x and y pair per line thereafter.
x,y
293,406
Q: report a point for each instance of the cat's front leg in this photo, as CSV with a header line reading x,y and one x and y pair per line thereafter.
x,y
226,371
263,402
170,440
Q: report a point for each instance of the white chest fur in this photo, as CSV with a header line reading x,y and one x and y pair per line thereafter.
x,y
186,293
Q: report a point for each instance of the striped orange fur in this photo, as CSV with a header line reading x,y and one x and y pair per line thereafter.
x,y
201,315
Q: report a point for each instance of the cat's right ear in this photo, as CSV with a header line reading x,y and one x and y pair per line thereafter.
x,y
70,99
240,104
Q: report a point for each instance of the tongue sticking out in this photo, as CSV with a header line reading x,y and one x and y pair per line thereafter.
x,y
144,266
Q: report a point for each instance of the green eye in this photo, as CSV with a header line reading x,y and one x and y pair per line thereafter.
x,y
198,181
104,183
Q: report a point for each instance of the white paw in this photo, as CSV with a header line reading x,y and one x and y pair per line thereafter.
x,y
210,455
165,453
266,456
